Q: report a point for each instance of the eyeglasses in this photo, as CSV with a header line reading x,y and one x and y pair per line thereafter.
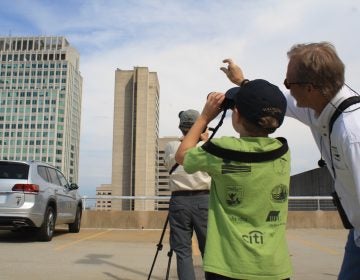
x,y
288,85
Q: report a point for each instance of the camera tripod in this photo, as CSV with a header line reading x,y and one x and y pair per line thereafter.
x,y
159,248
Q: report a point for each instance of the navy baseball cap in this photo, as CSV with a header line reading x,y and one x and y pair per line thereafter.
x,y
256,99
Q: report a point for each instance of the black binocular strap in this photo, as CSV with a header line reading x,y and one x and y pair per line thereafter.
x,y
173,168
247,157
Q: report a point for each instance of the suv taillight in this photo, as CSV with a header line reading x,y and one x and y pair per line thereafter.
x,y
26,188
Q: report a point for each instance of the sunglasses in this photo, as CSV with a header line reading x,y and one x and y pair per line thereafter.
x,y
288,85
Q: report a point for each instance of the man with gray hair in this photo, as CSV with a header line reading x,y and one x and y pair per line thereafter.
x,y
188,210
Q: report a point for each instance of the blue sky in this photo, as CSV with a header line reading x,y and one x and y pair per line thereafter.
x,y
185,43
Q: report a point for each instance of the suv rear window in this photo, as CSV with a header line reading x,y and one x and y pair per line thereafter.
x,y
13,170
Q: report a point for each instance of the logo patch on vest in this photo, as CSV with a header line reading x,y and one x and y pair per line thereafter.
x,y
254,237
227,168
234,195
279,194
273,216
279,166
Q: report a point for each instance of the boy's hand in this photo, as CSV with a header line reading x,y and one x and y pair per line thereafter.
x,y
204,136
213,106
233,71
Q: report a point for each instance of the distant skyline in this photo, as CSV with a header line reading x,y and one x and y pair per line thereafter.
x,y
185,43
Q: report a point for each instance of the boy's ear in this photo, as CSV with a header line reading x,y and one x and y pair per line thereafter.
x,y
237,114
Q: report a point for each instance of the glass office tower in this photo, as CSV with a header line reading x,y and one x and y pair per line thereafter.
x,y
40,101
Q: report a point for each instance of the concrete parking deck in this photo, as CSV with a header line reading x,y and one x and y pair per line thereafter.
x,y
113,254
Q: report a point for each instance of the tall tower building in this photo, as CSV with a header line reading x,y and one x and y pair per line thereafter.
x,y
40,101
135,135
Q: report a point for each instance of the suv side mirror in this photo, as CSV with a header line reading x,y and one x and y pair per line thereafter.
x,y
73,186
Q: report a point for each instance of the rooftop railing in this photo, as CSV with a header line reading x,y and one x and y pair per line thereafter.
x,y
104,202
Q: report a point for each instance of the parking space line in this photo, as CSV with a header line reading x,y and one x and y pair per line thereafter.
x,y
313,245
59,248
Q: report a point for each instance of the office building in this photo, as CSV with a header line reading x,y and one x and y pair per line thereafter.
x,y
135,138
162,189
104,203
40,101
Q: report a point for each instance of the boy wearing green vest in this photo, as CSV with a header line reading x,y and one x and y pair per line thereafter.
x,y
250,184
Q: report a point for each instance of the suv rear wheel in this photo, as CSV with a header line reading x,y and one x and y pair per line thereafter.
x,y
75,226
46,231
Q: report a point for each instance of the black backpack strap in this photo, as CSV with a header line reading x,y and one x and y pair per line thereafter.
x,y
342,107
339,110
247,157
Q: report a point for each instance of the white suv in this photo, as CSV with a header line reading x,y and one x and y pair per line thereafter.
x,y
36,195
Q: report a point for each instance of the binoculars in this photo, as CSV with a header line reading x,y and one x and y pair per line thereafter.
x,y
227,104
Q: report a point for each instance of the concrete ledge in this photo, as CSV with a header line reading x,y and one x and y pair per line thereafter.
x,y
156,219
124,219
314,219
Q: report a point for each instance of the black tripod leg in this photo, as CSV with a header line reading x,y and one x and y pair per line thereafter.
x,y
159,246
170,253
